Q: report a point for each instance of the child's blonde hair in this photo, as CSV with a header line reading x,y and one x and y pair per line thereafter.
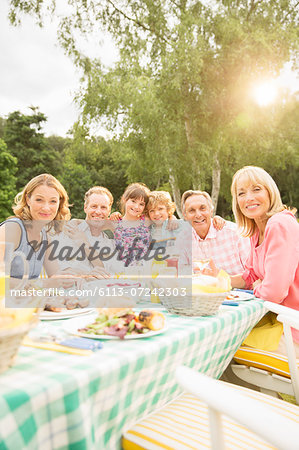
x,y
134,190
161,197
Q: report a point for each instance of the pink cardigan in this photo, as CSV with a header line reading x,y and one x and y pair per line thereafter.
x,y
276,262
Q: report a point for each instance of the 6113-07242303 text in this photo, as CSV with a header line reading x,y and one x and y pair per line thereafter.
x,y
115,291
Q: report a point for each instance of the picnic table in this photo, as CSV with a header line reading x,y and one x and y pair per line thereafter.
x,y
51,400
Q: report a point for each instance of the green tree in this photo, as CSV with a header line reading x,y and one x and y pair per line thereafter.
x,y
8,168
271,139
89,161
26,141
182,79
58,145
2,126
282,154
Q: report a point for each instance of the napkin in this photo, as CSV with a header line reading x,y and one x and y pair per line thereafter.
x,y
56,347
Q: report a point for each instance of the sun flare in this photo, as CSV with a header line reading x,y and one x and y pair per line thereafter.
x,y
265,93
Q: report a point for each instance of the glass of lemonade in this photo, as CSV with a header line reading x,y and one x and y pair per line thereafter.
x,y
2,285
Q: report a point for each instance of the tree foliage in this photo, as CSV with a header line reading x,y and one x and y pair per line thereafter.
x,y
79,161
8,168
26,142
177,102
89,162
2,126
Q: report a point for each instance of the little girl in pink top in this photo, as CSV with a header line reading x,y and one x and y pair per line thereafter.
x,y
272,268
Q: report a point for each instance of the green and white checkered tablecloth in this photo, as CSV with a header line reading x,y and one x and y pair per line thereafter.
x,y
51,400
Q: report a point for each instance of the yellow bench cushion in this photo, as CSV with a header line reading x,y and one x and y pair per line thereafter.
x,y
184,424
262,359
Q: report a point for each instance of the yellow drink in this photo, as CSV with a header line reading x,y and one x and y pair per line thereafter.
x,y
156,268
3,278
155,298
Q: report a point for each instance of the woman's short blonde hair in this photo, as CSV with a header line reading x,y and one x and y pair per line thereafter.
x,y
161,197
137,191
22,210
254,175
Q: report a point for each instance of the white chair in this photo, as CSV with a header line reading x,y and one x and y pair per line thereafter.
x,y
270,372
216,415
222,398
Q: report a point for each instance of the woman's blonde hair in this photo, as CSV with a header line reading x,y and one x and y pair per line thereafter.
x,y
134,190
161,197
22,210
254,175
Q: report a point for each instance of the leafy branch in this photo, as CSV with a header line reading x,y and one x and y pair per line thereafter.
x,y
137,22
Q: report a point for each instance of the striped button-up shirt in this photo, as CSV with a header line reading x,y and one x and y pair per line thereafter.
x,y
226,247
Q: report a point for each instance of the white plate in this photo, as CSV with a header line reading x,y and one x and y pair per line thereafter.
x,y
65,313
239,296
72,326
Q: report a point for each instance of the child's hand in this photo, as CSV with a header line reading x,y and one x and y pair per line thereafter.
x,y
73,233
218,222
115,216
173,223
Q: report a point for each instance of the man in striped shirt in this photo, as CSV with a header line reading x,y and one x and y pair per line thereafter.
x,y
202,241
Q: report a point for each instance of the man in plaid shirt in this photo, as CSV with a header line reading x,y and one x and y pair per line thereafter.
x,y
226,247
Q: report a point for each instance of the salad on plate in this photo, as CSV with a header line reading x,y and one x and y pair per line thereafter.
x,y
124,323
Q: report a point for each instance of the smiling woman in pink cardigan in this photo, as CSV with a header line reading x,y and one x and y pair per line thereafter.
x,y
272,268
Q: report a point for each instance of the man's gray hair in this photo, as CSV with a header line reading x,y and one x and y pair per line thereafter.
x,y
189,193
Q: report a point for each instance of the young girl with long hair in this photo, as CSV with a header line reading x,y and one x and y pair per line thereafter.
x,y
132,235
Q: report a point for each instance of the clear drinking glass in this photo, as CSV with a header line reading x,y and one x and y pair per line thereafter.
x,y
200,264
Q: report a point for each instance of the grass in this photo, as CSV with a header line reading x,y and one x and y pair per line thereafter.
x,y
288,398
